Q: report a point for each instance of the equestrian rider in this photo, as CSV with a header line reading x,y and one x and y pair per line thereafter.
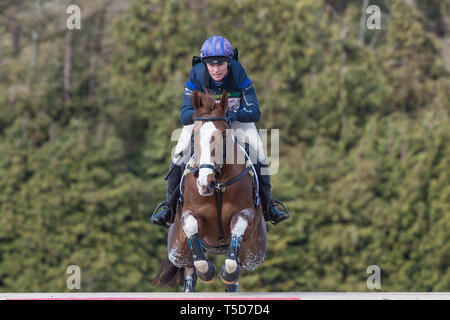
x,y
216,72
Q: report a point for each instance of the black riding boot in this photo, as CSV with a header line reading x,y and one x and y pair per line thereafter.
x,y
271,212
169,205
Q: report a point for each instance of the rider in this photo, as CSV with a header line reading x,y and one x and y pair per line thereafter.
x,y
216,72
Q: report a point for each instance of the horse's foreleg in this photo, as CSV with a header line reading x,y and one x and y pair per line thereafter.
x,y
230,270
206,270
190,279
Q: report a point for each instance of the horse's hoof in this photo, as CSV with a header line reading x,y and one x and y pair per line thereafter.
x,y
209,275
230,278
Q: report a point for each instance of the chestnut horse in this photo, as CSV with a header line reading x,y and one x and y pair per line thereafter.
x,y
218,212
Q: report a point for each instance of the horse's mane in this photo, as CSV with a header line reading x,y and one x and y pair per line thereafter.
x,y
208,100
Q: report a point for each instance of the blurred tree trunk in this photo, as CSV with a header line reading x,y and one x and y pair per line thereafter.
x,y
16,39
446,40
98,40
34,55
67,66
362,22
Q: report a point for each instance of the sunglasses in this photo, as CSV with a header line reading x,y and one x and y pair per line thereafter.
x,y
216,60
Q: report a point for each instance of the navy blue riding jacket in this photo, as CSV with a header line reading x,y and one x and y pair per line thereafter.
x,y
235,81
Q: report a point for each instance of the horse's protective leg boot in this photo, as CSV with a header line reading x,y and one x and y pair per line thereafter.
x,y
232,287
190,280
166,215
231,270
271,212
206,271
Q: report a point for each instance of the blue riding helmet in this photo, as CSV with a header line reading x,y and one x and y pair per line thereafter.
x,y
216,46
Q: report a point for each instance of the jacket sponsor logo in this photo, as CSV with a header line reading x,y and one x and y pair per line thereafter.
x,y
188,92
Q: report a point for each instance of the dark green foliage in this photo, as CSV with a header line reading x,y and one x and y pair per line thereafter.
x,y
364,140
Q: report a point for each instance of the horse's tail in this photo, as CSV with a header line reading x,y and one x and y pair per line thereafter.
x,y
168,274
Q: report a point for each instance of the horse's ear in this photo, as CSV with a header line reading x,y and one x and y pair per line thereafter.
x,y
223,104
196,99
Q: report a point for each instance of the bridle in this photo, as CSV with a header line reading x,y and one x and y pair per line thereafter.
x,y
219,186
215,169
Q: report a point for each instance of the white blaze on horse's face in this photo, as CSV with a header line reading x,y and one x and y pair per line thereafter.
x,y
207,131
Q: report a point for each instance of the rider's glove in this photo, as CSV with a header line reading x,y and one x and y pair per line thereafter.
x,y
232,115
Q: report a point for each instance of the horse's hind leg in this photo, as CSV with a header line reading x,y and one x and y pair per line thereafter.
x,y
206,270
232,287
231,270
190,279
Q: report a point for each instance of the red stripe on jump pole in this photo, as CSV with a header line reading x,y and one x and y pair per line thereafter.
x,y
160,299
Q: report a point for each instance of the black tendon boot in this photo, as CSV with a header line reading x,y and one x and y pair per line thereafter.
x,y
270,210
169,205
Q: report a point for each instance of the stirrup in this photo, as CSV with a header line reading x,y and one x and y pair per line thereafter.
x,y
161,205
274,202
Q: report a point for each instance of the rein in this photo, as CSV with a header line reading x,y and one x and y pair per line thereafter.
x,y
219,186
211,119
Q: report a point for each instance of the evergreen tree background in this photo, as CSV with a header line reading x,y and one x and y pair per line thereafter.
x,y
86,118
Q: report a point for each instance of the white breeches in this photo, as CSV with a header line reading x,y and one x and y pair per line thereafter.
x,y
244,132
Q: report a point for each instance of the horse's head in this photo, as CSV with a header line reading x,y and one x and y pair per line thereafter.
x,y
209,139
